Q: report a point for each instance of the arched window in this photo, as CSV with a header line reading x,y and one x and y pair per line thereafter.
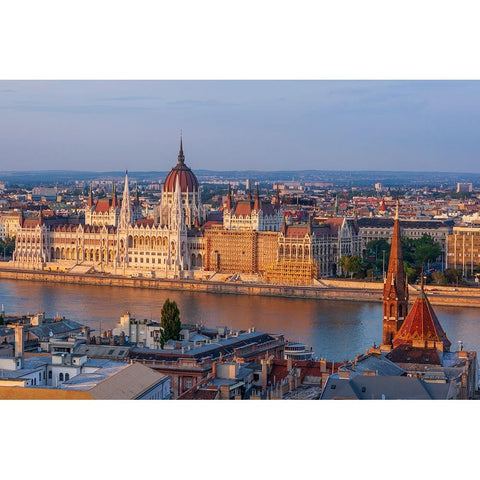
x,y
67,377
50,375
60,377
391,310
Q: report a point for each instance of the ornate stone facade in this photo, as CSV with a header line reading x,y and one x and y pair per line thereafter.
x,y
248,236
113,238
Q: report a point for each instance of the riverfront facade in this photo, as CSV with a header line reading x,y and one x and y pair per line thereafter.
x,y
182,239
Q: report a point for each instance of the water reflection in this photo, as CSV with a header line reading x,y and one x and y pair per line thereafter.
x,y
336,330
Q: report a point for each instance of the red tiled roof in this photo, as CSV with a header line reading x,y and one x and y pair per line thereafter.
x,y
103,205
211,223
201,394
407,354
307,369
146,222
421,324
243,207
296,231
334,224
31,222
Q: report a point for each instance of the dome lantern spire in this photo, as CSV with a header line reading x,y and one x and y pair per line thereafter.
x,y
181,156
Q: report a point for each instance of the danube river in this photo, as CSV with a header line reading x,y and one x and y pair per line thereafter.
x,y
336,330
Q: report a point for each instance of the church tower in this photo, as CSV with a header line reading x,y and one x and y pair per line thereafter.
x,y
395,288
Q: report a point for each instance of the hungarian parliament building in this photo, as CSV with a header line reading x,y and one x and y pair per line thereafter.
x,y
183,239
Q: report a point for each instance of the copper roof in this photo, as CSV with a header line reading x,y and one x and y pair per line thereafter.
x,y
186,178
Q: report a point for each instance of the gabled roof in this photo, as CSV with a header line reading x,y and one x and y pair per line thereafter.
x,y
244,208
421,324
383,387
103,205
127,384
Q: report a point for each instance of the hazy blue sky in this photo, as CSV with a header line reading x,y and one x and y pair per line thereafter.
x,y
238,125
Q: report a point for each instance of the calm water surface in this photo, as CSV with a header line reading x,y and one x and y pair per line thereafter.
x,y
336,330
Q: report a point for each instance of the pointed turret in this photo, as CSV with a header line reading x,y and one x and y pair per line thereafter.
x,y
229,204
278,199
114,195
137,198
256,205
181,156
90,196
125,211
395,288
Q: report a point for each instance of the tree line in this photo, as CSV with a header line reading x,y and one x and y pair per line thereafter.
x,y
418,254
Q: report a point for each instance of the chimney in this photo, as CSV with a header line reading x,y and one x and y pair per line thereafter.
x,y
19,342
264,374
323,365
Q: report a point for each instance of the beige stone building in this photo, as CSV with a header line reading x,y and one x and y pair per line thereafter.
x,y
463,249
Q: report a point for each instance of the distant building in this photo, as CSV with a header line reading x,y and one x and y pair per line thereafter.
x,y
374,228
141,333
463,249
9,224
464,187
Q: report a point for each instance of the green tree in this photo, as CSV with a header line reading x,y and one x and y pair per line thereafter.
x,y
439,278
351,264
426,250
171,324
343,263
7,247
354,265
454,276
411,273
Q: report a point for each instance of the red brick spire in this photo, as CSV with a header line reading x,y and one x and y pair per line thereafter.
x,y
395,288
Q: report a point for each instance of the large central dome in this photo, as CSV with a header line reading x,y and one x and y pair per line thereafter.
x,y
186,178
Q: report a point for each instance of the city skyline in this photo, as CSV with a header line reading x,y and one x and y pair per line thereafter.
x,y
240,125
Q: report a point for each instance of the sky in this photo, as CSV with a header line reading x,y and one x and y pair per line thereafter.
x,y
240,125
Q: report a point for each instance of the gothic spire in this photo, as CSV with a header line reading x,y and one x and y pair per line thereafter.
x,y
181,156
229,198
114,195
125,212
90,196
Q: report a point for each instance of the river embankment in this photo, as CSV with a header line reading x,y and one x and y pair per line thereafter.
x,y
325,289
